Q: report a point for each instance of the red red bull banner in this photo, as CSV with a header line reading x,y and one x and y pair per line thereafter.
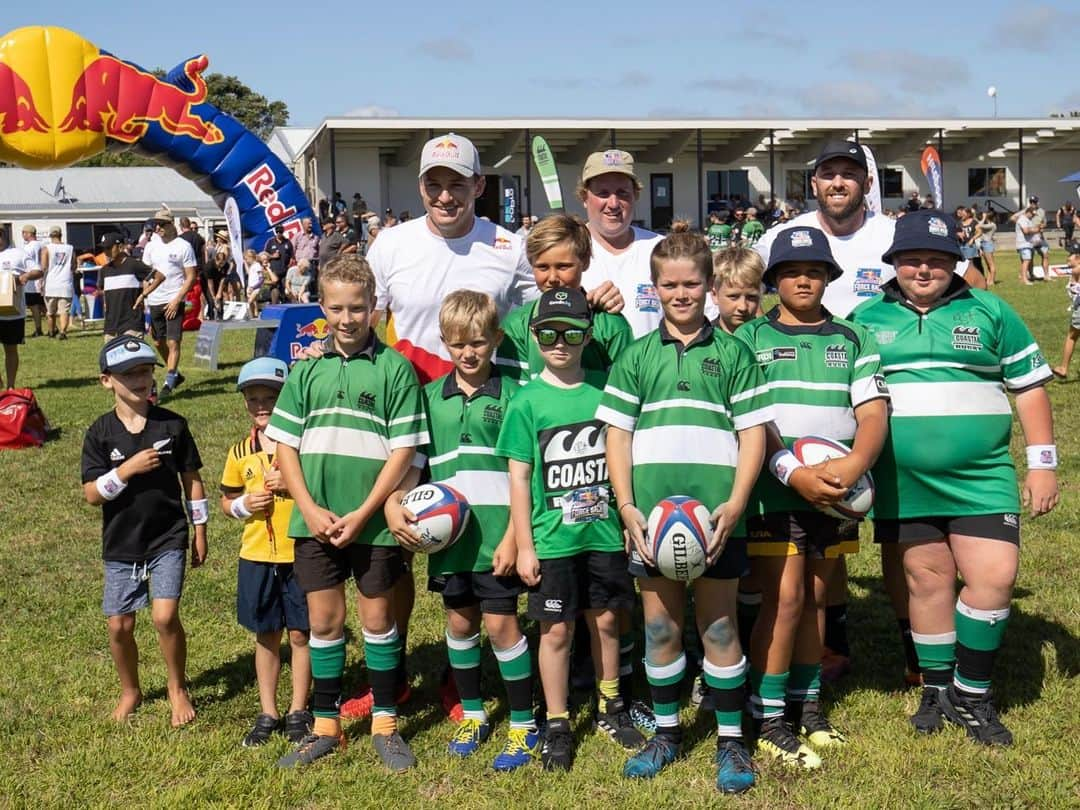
x,y
63,99
931,167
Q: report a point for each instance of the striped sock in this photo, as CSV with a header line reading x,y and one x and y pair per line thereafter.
x,y
464,654
767,694
727,686
515,666
664,683
804,683
978,637
937,657
327,665
382,652
626,666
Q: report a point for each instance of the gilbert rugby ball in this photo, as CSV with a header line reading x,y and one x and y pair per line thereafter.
x,y
859,499
441,515
679,530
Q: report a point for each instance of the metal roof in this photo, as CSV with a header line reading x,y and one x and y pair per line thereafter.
x,y
128,191
723,140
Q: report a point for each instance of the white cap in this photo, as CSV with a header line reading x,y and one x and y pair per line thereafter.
x,y
452,151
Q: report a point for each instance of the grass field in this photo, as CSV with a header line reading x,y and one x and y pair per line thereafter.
x,y
58,685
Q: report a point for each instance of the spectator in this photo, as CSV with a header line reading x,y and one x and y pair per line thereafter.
x,y
306,244
738,223
390,221
34,299
173,261
324,209
349,238
13,327
256,277
913,202
373,228
339,204
279,250
1026,230
987,227
189,232
359,207
58,284
752,229
297,281
1066,221
404,216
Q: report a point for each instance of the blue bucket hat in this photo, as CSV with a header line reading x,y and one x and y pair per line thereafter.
x,y
268,371
800,245
926,229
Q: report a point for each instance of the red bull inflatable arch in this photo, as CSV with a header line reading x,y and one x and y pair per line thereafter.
x,y
63,99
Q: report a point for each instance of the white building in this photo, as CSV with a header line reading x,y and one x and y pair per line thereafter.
x,y
684,163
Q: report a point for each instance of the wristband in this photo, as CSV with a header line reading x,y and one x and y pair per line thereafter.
x,y
239,508
1039,457
782,464
109,485
198,512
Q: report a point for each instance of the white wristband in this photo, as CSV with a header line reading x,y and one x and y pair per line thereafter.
x,y
239,508
199,512
782,464
109,485
1042,457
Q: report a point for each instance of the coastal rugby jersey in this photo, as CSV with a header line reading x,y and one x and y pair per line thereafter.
x,y
344,416
463,432
948,371
556,431
817,376
685,406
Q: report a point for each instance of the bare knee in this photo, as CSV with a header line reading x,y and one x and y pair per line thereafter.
x,y
661,635
720,633
502,630
122,628
298,638
557,635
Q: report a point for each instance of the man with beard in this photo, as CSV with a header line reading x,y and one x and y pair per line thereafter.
x,y
857,238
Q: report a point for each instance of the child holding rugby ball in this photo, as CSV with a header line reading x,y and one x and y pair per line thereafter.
x,y
686,408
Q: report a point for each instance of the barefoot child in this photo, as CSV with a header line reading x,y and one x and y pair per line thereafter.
x,y
135,459
1073,291
268,597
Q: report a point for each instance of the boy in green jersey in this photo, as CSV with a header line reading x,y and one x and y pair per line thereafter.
x,y
686,408
477,575
569,543
947,490
347,426
559,250
825,377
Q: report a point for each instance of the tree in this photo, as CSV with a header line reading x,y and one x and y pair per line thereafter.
x,y
228,94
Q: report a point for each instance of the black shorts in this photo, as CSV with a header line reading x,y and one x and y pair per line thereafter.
x,y
998,526
35,299
13,332
592,580
498,595
268,597
810,532
167,328
733,563
320,566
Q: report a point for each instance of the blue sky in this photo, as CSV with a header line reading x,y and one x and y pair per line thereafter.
x,y
637,60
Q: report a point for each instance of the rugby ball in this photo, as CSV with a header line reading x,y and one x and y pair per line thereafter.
x,y
441,515
679,529
811,450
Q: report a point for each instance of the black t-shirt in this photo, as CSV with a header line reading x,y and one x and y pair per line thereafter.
x,y
281,255
198,244
121,286
330,246
149,516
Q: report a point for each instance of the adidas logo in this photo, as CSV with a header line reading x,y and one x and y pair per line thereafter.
x,y
116,455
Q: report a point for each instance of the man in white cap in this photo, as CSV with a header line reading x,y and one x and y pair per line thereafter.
x,y
174,264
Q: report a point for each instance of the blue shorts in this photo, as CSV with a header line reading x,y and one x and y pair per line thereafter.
x,y
268,598
131,586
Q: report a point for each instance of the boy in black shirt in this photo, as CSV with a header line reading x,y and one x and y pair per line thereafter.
x,y
134,459
120,281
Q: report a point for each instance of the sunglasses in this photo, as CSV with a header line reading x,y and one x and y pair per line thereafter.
x,y
547,336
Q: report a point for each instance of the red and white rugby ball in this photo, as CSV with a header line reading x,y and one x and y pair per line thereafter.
x,y
441,515
679,529
855,505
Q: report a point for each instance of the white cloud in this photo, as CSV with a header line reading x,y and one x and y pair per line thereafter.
x,y
1028,27
738,84
915,71
373,111
447,49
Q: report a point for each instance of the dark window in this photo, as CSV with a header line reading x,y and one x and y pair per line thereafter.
x,y
892,182
986,181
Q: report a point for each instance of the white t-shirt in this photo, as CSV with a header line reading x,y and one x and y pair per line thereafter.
x,y
254,276
13,260
1022,239
169,259
415,270
33,262
58,279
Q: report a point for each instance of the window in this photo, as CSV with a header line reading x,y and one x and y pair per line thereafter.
x,y
728,184
986,181
892,182
797,184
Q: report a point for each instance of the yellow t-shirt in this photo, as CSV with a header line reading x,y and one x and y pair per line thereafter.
x,y
245,466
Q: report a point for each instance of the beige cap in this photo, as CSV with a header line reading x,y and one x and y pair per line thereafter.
x,y
163,215
613,161
55,231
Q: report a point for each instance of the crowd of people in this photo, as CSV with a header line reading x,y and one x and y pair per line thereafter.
x,y
564,384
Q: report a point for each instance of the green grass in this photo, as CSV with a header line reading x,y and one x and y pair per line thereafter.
x,y
57,683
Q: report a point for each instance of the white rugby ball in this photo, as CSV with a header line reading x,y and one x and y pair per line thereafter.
x,y
441,515
679,528
855,505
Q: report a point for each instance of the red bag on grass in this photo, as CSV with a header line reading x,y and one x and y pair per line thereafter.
x,y
22,422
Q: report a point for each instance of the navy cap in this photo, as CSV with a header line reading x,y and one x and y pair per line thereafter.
x,y
126,352
800,245
925,229
844,149
563,305
268,371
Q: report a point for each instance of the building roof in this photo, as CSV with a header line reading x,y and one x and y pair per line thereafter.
x,y
128,192
723,140
285,142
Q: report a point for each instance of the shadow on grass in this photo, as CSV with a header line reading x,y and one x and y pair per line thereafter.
x,y
223,682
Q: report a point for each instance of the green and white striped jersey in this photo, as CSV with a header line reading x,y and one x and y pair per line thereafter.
x,y
948,370
520,357
344,416
464,431
817,376
685,406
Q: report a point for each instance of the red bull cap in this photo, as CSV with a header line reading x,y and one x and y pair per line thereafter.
x,y
453,152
